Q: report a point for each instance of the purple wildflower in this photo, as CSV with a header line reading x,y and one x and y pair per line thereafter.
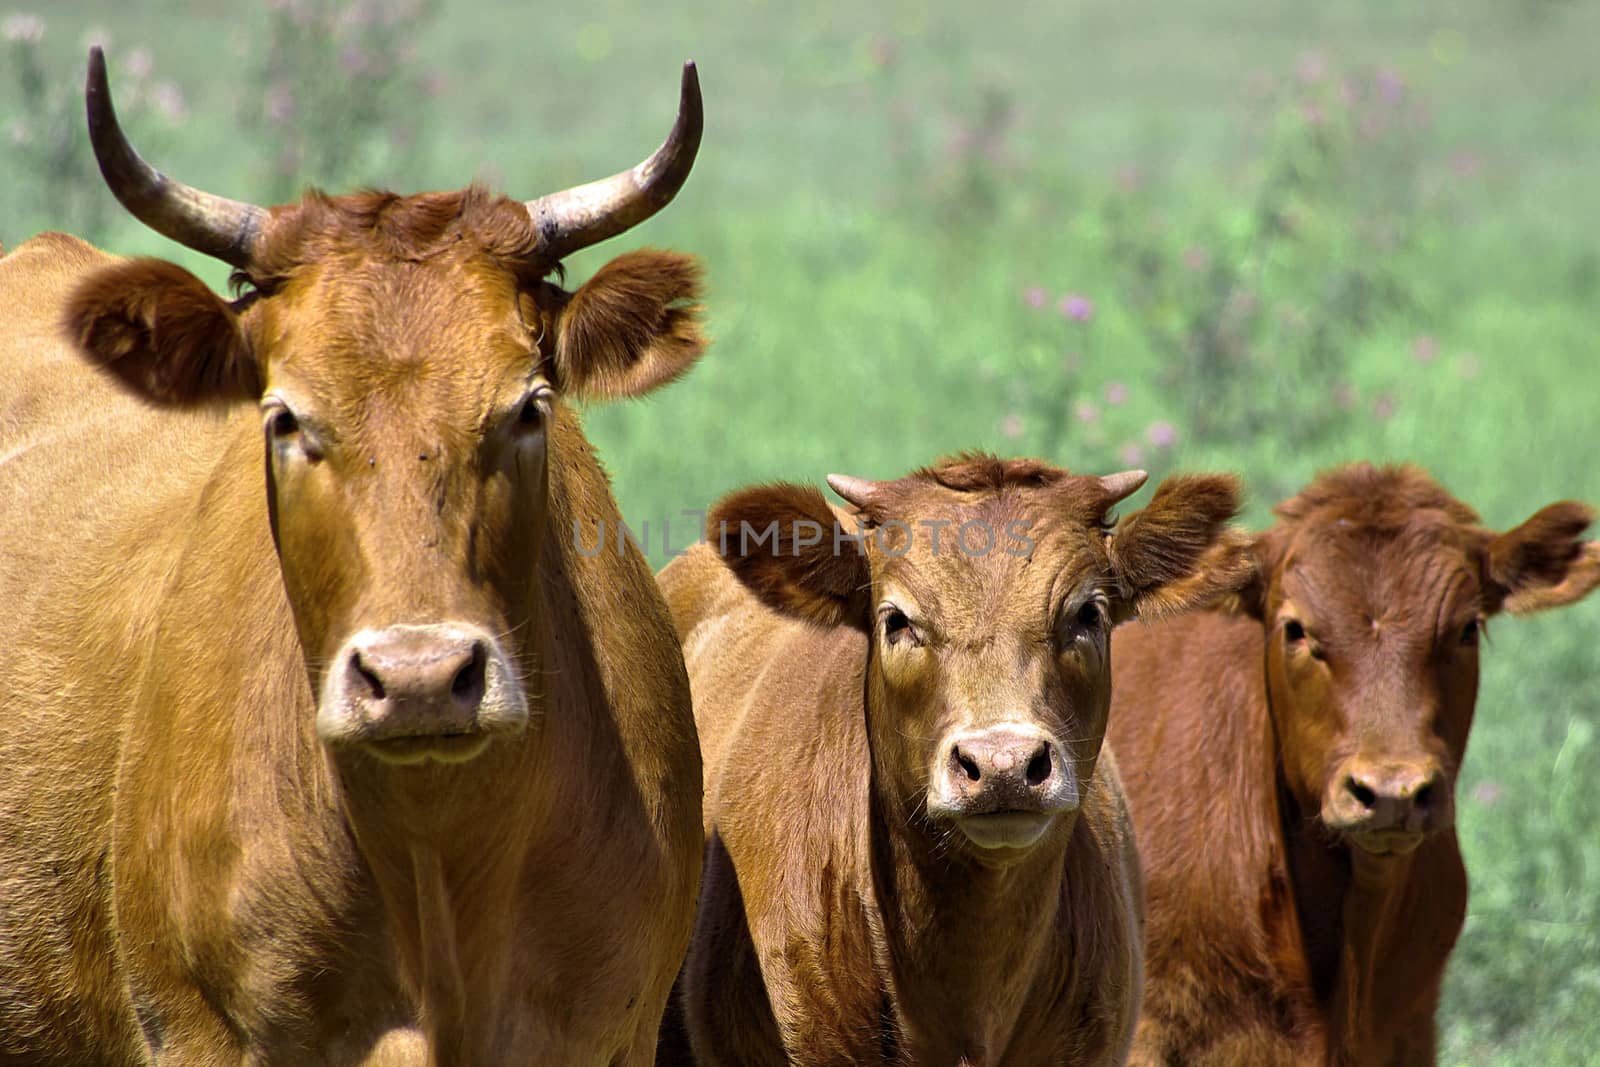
x,y
1077,308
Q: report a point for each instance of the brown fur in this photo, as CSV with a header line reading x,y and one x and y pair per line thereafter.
x,y
186,871
159,329
1271,939
840,920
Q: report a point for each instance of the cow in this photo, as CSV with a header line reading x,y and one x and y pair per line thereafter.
x,y
918,851
322,742
1291,764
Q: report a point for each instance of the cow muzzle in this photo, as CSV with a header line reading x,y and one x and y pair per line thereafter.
x,y
1002,786
1387,808
412,693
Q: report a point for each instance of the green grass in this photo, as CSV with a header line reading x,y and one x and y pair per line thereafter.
x,y
882,184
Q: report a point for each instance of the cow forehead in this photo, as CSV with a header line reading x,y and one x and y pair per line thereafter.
x,y
1402,574
355,334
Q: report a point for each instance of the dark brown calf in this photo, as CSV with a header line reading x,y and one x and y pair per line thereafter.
x,y
320,741
1291,769
918,849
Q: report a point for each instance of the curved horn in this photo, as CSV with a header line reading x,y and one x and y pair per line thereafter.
x,y
855,491
214,225
1122,485
588,214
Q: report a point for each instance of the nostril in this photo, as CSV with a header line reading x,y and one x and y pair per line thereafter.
x,y
468,684
1424,796
1039,766
368,677
1363,794
968,765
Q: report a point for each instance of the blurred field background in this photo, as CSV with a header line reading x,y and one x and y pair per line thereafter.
x,y
1239,235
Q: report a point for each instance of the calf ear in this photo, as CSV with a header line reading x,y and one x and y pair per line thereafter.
x,y
780,541
1251,597
629,329
1178,552
163,333
1543,563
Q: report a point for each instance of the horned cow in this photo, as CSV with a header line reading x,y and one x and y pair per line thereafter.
x,y
320,740
918,849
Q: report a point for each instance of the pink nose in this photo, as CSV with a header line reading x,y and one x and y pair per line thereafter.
x,y
1004,769
414,681
1373,797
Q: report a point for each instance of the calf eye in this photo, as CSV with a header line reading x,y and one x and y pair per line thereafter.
x,y
1293,632
532,414
1469,634
897,628
1090,616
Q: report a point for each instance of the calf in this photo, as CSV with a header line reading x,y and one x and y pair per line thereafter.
x,y
1291,768
918,851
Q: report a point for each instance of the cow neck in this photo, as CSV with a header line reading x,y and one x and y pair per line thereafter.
x,y
1346,904
447,845
963,943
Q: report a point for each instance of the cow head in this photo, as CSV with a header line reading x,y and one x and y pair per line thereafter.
x,y
1374,590
987,590
409,357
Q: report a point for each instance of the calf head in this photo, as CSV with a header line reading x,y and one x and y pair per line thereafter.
x,y
409,356
1374,590
987,590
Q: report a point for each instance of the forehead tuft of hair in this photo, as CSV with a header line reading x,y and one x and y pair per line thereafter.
x,y
1373,496
977,472
390,226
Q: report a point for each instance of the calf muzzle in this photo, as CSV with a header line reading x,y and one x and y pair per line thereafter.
x,y
1004,785
1388,807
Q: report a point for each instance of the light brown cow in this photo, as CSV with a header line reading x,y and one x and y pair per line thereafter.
x,y
913,855
1292,767
320,741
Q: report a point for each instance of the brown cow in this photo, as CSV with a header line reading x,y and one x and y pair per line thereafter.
x,y
320,741
1291,770
912,856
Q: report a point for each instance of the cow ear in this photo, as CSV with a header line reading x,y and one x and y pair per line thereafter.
x,y
1543,563
162,333
631,328
1178,552
784,543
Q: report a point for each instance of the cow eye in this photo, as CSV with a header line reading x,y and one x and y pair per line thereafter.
x,y
534,410
1470,632
897,628
1091,615
1295,636
282,424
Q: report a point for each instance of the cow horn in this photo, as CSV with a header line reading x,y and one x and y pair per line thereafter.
x,y
214,225
588,214
855,491
1122,484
